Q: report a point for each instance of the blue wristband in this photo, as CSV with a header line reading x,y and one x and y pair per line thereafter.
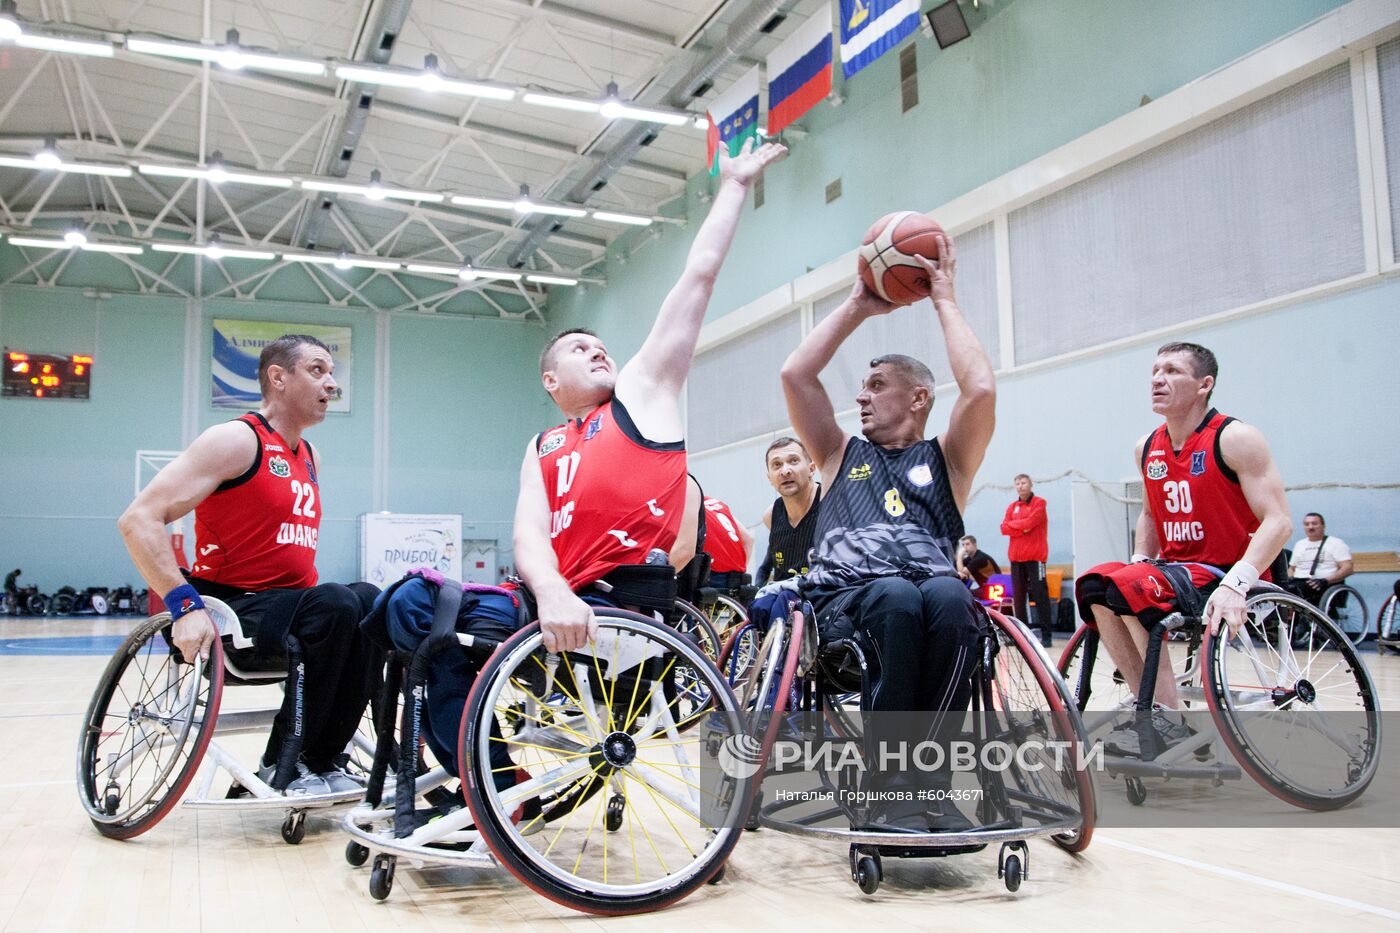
x,y
181,600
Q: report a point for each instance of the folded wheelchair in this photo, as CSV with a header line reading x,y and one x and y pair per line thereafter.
x,y
600,803
797,686
155,721
1290,701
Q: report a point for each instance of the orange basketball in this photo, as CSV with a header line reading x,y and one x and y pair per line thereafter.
x,y
887,264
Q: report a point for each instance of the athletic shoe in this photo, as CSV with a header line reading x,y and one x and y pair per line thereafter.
x,y
307,783
339,782
1126,743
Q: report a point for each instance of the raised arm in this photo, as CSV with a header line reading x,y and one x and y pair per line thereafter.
x,y
220,453
663,363
1245,451
566,621
808,405
974,414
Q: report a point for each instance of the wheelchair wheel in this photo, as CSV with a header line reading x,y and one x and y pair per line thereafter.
x,y
1347,609
740,652
726,613
612,728
1031,700
1388,624
1090,674
763,694
146,730
1303,721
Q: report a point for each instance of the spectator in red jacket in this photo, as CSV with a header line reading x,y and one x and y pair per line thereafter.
x,y
1026,524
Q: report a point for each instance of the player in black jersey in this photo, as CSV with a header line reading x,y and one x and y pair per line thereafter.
x,y
792,518
891,516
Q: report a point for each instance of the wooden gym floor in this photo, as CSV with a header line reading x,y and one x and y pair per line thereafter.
x,y
232,871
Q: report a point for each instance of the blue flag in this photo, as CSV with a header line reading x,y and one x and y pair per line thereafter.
x,y
870,28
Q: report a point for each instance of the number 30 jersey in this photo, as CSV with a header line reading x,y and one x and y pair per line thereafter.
x,y
1195,499
613,494
258,531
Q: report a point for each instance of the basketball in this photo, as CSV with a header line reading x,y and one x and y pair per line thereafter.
x,y
887,264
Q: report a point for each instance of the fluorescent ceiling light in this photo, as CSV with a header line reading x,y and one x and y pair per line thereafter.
x,y
74,237
49,43
213,251
702,122
615,218
373,263
425,80
498,274
40,243
561,102
311,184
229,55
296,66
44,162
551,280
113,248
9,26
215,174
497,203
558,210
320,258
614,109
428,268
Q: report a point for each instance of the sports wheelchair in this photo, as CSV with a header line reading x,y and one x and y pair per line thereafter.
x,y
1287,658
602,806
797,683
152,723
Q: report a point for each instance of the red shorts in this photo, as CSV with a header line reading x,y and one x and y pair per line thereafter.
x,y
1139,589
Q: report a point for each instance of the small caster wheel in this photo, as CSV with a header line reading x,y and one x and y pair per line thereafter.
x,y
718,876
356,854
868,874
1137,793
617,805
111,799
381,877
294,828
1011,873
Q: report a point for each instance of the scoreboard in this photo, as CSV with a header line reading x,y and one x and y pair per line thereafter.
x,y
38,375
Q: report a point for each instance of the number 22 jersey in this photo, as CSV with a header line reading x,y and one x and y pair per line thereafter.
x,y
613,494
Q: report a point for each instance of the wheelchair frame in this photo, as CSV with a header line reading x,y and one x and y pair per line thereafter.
x,y
1196,684
1069,828
179,706
392,830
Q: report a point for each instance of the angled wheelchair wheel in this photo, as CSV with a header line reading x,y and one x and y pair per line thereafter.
x,y
1388,624
617,807
726,614
1031,700
765,691
146,730
740,652
1301,717
1090,674
1344,605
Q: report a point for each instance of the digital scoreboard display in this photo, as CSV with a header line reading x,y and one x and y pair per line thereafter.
x,y
38,375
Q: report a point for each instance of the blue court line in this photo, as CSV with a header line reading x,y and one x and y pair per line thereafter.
x,y
99,645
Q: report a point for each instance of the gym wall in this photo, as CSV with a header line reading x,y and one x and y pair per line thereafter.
x,y
460,399
1262,219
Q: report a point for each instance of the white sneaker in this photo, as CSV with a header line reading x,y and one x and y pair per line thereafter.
x,y
339,782
307,784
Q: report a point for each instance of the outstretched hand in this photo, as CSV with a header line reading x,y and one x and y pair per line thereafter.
x,y
941,272
750,162
866,303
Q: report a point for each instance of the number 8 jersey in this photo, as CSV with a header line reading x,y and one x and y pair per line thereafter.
x,y
613,494
258,530
1195,499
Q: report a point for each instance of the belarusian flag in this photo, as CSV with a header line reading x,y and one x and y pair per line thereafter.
x,y
733,119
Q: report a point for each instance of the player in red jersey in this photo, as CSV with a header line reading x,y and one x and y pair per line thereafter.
x,y
1213,502
252,483
728,543
608,485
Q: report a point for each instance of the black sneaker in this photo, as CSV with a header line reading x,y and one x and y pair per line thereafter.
x,y
1126,743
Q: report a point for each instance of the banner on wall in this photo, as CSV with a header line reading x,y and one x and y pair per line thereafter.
x,y
391,545
870,28
234,363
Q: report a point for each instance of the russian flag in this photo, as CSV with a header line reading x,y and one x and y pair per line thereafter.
x,y
870,28
733,119
799,72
